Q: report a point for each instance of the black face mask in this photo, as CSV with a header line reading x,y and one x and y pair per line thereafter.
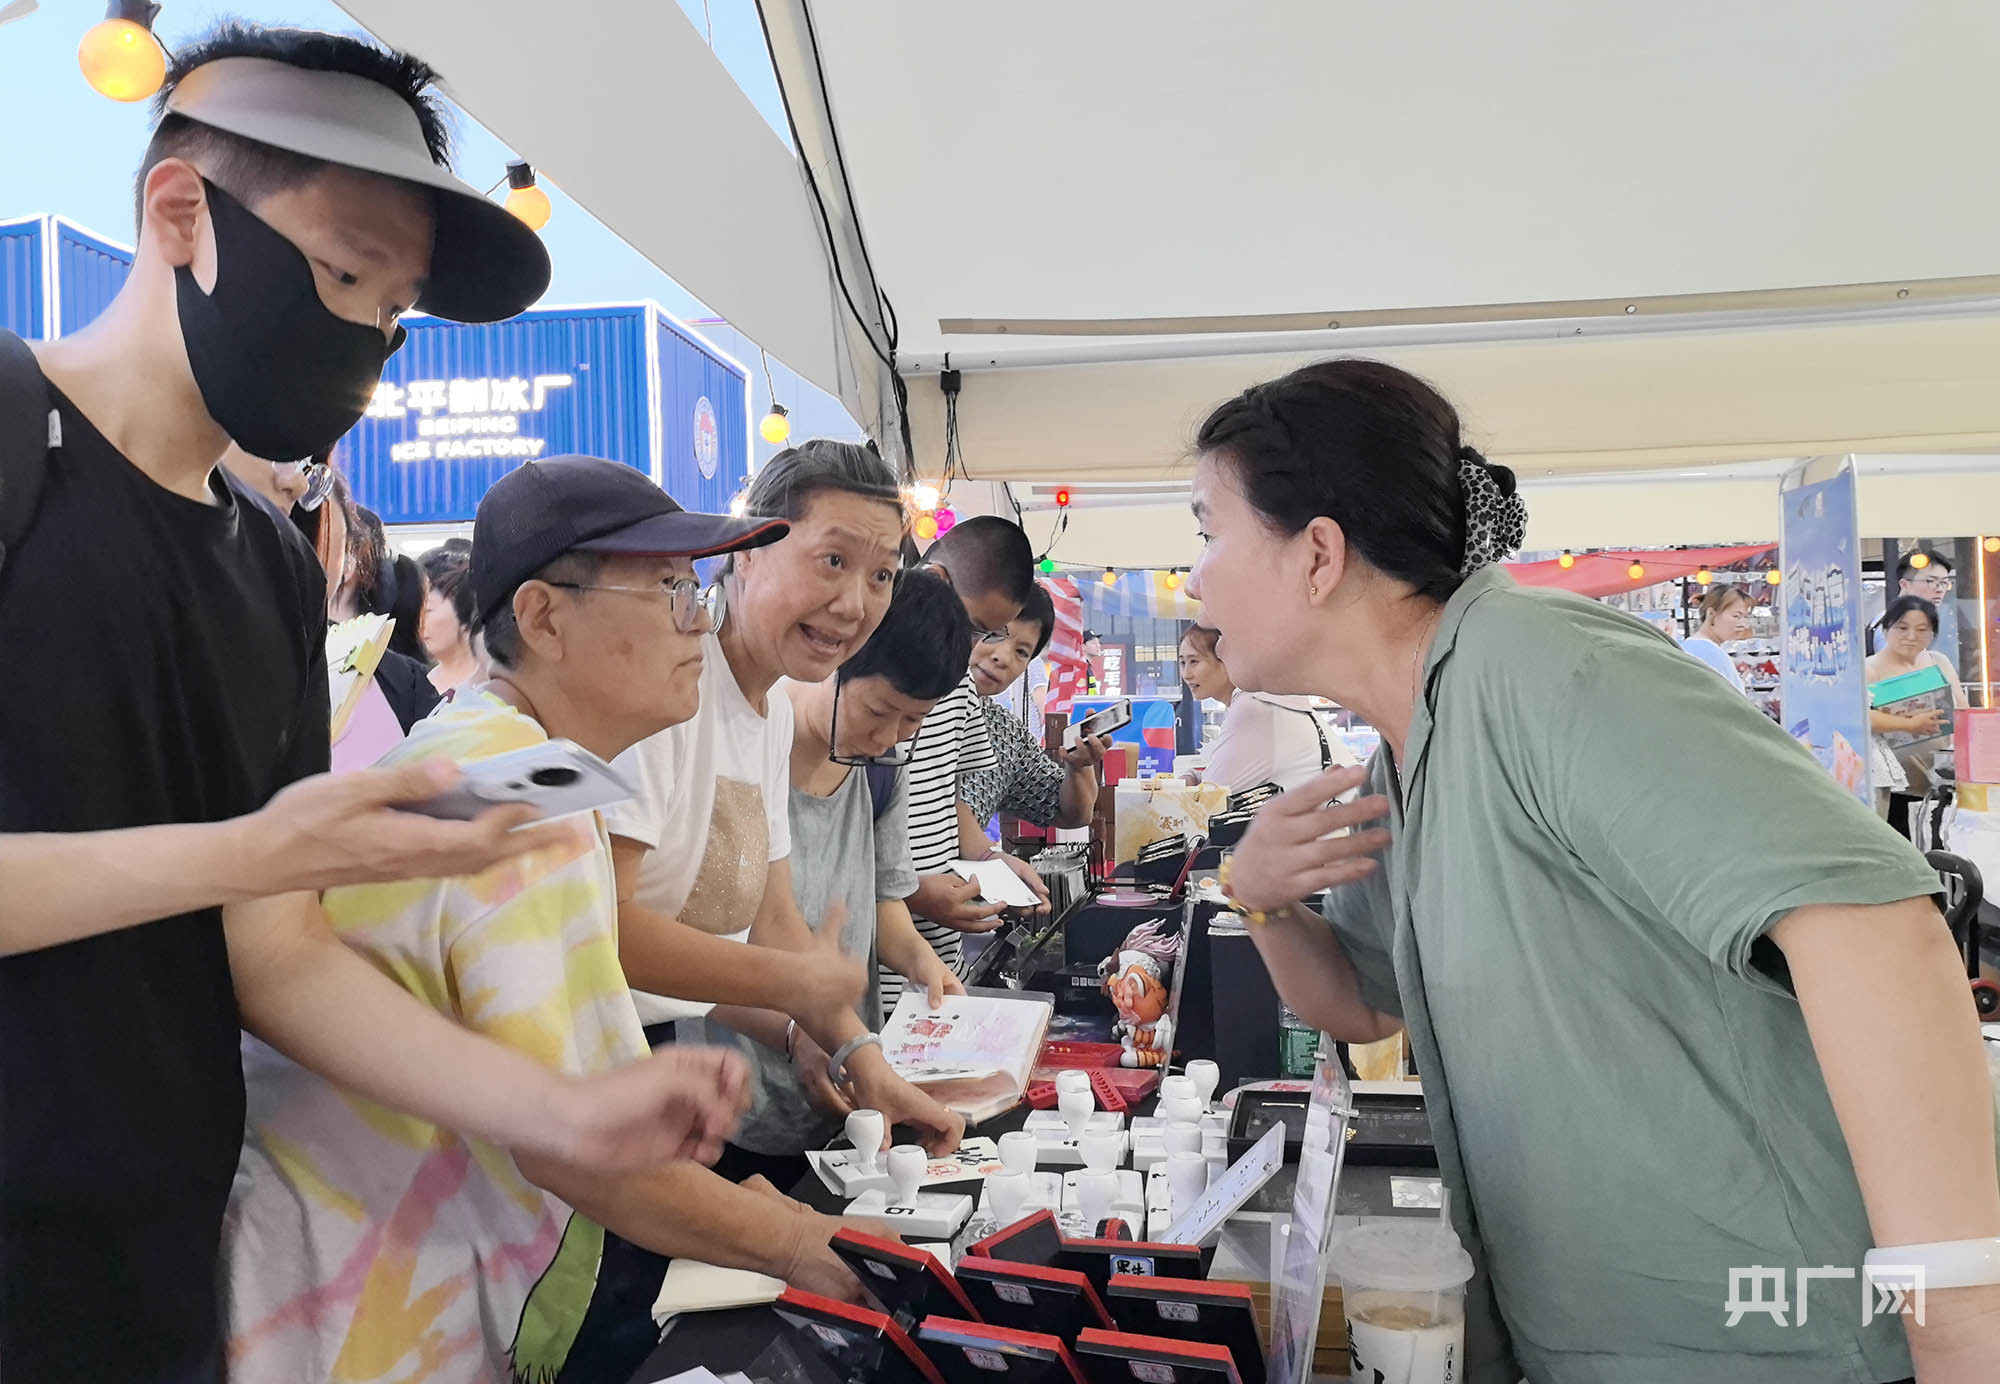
x,y
283,376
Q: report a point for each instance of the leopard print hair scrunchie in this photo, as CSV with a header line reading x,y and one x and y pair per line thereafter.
x,y
1496,523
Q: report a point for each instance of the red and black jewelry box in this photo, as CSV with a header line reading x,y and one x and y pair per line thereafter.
x,y
858,1344
977,1353
1102,1260
1113,1357
1032,1297
1035,1239
909,1283
1184,1309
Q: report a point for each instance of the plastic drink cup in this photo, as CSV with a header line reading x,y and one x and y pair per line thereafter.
x,y
1402,1284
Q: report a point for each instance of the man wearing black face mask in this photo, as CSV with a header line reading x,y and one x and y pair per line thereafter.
x,y
164,677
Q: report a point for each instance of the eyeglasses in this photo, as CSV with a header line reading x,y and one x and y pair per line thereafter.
x,y
894,757
695,611
1936,581
319,483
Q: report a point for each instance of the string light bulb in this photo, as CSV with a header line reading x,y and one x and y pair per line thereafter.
x,y
1772,577
1048,567
925,496
1703,576
1636,571
925,528
119,55
946,520
1110,578
1062,497
524,199
777,425
1173,579
1920,560
1991,545
1567,560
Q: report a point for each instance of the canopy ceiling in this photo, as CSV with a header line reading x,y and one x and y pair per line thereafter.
x,y
1620,237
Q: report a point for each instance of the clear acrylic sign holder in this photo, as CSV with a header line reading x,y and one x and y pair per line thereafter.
x,y
1299,1289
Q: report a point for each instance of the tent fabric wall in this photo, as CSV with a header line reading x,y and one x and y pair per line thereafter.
x,y
1545,407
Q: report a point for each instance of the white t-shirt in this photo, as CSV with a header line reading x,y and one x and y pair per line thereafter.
x,y
1270,739
711,803
1716,657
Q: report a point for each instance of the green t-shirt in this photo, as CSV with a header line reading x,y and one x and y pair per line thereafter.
x,y
1593,838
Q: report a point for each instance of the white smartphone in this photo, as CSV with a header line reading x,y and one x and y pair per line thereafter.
x,y
1098,723
556,779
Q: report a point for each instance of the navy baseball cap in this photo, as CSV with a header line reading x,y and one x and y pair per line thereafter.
x,y
538,512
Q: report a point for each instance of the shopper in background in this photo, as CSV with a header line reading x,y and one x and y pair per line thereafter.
x,y
1571,944
851,858
1264,738
591,610
446,628
991,565
1026,781
1922,572
1725,617
367,555
1909,627
166,677
703,851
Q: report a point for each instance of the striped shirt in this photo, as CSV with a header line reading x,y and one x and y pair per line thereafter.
x,y
951,743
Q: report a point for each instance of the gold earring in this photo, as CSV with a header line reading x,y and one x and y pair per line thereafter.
x,y
1312,589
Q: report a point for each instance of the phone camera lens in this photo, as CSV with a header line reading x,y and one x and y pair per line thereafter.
x,y
555,776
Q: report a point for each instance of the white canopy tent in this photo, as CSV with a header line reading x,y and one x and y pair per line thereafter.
x,y
1620,238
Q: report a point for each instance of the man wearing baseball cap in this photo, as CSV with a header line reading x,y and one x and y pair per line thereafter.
x,y
593,620
165,820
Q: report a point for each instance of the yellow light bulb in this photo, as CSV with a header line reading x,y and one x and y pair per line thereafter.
x,y
925,528
1920,560
1772,577
1636,571
1566,561
1704,576
1110,578
776,427
924,495
1173,581
1992,545
531,205
122,60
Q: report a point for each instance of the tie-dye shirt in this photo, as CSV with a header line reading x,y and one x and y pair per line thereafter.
x,y
363,1245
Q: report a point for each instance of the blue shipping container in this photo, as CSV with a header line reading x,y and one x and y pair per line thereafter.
x,y
461,405
65,289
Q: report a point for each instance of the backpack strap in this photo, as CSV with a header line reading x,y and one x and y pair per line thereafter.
x,y
881,786
27,432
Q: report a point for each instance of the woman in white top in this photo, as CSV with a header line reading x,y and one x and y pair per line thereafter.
x,y
1264,738
1908,628
1725,616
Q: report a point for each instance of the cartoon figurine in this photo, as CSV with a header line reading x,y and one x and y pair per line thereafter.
x,y
1136,978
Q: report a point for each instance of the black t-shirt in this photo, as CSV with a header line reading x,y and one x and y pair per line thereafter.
x,y
161,660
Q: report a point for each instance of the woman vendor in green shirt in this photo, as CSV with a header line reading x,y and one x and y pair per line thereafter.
x,y
1656,1056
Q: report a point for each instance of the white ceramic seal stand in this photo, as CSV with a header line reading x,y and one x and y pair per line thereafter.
x,y
927,1215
